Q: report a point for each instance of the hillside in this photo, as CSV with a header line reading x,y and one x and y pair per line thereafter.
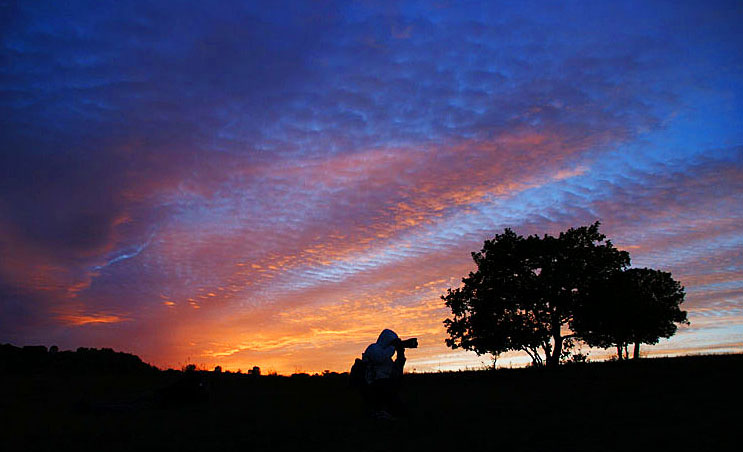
x,y
689,403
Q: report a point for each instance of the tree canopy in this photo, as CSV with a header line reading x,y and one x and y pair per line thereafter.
x,y
525,291
638,305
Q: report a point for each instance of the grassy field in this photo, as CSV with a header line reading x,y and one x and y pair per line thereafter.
x,y
690,403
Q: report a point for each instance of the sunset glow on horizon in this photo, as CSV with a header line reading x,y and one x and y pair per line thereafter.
x,y
272,185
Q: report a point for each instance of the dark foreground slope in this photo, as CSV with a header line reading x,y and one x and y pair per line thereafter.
x,y
690,403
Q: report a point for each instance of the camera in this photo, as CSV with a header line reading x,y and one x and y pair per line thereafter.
x,y
409,343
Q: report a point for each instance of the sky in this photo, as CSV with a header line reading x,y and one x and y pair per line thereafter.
x,y
273,183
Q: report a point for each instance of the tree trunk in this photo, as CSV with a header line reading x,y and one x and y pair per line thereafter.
x,y
636,353
554,359
619,352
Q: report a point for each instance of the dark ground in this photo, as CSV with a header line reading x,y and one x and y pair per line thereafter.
x,y
690,403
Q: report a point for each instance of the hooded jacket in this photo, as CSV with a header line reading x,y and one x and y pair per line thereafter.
x,y
378,357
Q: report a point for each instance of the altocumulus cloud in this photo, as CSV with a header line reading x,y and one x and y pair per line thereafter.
x,y
283,177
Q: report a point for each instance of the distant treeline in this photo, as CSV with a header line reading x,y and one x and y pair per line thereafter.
x,y
37,358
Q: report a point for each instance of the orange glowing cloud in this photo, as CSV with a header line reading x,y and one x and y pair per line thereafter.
x,y
83,319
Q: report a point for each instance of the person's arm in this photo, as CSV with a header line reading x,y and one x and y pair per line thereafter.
x,y
399,360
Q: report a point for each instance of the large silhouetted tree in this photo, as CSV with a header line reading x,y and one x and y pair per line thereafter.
x,y
638,305
525,290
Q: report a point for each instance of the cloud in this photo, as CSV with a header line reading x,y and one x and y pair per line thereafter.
x,y
328,161
87,319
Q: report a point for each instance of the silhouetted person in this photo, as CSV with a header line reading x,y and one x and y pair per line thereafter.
x,y
382,374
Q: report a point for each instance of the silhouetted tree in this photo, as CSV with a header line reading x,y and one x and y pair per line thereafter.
x,y
525,291
36,359
638,305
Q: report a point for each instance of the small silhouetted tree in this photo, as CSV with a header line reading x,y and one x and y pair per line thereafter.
x,y
638,305
525,290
